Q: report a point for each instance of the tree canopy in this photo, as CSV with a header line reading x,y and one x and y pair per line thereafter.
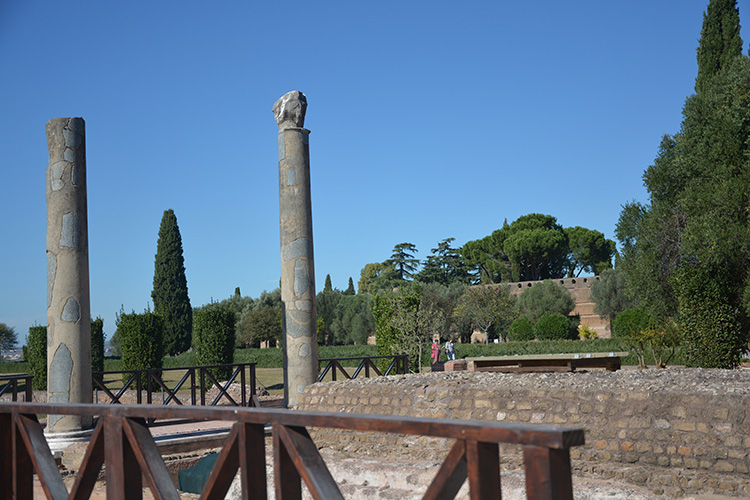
x,y
8,337
535,247
686,252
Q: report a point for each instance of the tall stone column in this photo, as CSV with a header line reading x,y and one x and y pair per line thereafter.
x,y
68,306
297,267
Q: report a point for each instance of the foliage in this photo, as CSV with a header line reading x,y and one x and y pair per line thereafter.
x,y
488,257
485,307
8,338
403,262
353,322
328,287
609,295
141,340
445,265
686,253
536,247
416,323
586,333
711,327
545,297
37,356
377,277
97,345
213,341
522,329
170,293
350,288
553,326
590,251
663,342
326,303
720,40
260,325
630,326
397,325
444,298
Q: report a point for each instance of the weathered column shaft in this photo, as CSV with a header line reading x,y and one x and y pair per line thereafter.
x,y
297,264
68,306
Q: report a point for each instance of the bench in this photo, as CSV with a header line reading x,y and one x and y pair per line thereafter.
x,y
546,362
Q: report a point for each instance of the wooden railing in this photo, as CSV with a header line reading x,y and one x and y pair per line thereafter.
x,y
123,443
151,381
11,384
399,364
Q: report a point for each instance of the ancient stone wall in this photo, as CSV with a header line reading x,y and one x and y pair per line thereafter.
x,y
580,290
671,431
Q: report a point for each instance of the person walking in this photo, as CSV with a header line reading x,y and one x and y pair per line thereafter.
x,y
450,350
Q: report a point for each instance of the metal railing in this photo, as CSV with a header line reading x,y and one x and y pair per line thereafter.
x,y
11,384
399,364
151,382
123,443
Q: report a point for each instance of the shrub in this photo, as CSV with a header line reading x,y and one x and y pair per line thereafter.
x,y
545,297
213,338
37,356
631,326
552,326
97,345
630,322
140,337
521,329
586,333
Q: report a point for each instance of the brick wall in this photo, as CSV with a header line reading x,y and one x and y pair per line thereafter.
x,y
672,443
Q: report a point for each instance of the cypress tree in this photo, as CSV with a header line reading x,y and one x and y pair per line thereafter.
x,y
170,293
328,287
350,289
720,40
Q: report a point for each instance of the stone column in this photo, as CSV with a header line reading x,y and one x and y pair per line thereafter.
x,y
68,306
297,268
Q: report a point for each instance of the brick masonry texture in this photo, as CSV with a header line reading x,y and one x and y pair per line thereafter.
x,y
676,431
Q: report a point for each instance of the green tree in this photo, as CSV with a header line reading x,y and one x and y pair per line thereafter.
x,y
377,277
720,41
403,262
543,298
350,288
485,307
326,303
416,323
261,325
590,251
488,257
537,248
444,298
170,292
8,338
696,227
445,265
609,295
354,321
328,287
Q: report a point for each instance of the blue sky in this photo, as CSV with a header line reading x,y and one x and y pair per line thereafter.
x,y
429,120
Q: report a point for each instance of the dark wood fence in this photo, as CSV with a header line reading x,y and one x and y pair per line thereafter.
x,y
399,364
196,378
123,443
11,384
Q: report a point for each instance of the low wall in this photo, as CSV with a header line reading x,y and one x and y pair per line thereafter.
x,y
674,431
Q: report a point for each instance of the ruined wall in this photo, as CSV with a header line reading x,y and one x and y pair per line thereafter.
x,y
673,443
580,290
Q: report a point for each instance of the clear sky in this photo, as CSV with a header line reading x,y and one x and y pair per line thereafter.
x,y
429,120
